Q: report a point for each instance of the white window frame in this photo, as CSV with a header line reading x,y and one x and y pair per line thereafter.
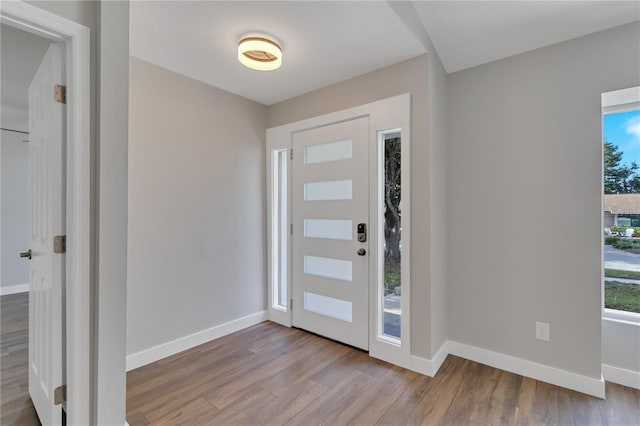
x,y
277,313
384,115
615,102
379,200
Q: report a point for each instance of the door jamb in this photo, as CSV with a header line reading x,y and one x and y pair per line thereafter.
x,y
76,38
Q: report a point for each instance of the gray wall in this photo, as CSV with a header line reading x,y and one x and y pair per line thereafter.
x,y
435,330
112,196
437,108
524,198
15,208
21,56
197,230
406,77
22,53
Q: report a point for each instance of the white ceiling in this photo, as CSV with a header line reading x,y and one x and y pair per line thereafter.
x,y
323,42
21,54
470,33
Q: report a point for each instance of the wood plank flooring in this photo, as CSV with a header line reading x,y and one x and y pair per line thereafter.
x,y
268,374
16,408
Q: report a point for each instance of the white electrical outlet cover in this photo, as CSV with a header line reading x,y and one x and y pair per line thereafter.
x,y
543,331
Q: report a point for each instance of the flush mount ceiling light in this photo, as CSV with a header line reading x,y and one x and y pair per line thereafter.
x,y
259,53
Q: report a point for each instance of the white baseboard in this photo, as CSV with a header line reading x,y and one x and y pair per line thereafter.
x,y
621,376
544,373
164,350
419,365
429,367
439,358
14,289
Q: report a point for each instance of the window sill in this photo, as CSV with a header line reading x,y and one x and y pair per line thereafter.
x,y
630,318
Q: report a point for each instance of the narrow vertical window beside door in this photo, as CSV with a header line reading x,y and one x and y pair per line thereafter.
x,y
280,229
391,224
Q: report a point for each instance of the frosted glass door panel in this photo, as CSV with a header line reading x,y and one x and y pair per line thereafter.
x,y
328,190
332,151
328,267
328,228
330,196
328,306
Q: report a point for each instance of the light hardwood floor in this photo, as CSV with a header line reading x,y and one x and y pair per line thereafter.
x,y
268,374
16,408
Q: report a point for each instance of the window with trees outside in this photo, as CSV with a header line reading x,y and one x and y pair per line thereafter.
x,y
392,227
621,145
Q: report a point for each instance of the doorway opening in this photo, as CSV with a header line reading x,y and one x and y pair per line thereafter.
x,y
338,226
72,42
22,56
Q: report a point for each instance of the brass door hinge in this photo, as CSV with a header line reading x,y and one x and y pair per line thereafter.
x,y
60,244
60,93
59,395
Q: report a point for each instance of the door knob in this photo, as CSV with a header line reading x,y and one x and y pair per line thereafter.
x,y
26,254
361,252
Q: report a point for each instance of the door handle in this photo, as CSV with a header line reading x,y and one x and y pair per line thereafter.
x,y
26,254
361,252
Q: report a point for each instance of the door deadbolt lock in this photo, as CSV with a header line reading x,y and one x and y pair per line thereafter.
x,y
26,254
361,252
362,232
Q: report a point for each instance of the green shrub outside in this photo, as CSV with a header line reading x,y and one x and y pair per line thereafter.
x,y
627,244
610,239
391,277
621,229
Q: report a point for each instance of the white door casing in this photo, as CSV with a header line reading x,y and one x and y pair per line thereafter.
x,y
46,269
77,41
330,197
385,115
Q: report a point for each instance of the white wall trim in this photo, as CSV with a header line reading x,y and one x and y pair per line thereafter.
x,y
439,358
621,376
544,373
164,350
419,365
621,97
428,367
14,289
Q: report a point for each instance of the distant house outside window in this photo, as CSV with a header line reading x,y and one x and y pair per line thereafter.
x,y
621,216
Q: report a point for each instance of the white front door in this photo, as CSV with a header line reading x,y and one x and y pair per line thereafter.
x,y
330,200
46,186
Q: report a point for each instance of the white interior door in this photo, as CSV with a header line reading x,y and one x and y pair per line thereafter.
x,y
330,198
46,118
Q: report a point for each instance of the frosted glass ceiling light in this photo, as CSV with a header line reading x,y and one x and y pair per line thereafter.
x,y
259,53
